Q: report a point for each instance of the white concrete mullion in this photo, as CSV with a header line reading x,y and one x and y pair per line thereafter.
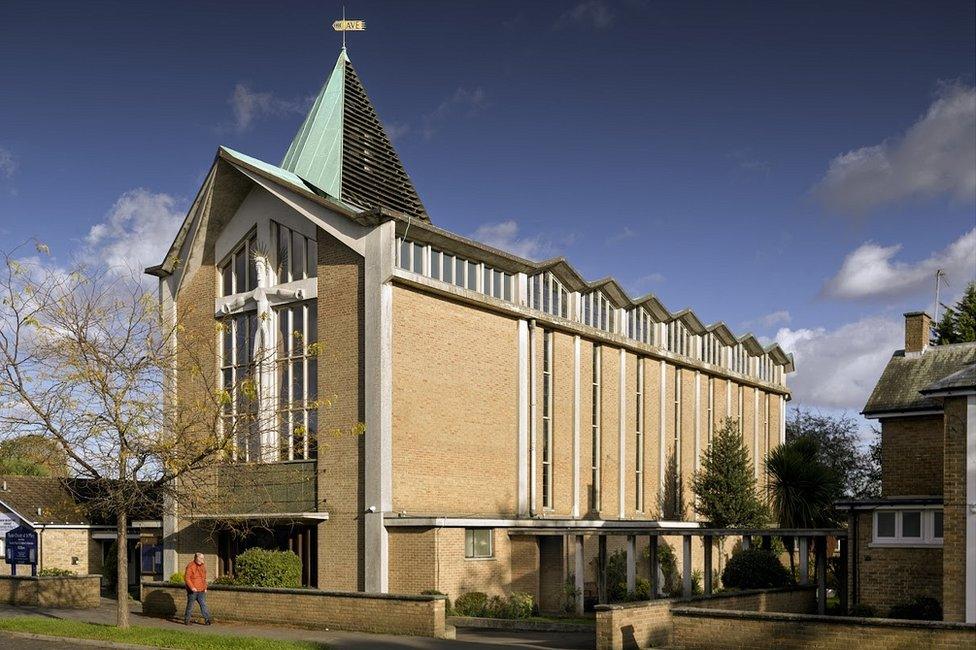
x,y
576,427
662,419
697,463
622,429
782,420
523,417
755,430
533,424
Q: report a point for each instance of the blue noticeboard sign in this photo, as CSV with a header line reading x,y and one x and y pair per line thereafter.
x,y
21,546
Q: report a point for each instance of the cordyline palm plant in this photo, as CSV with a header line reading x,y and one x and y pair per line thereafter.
x,y
802,488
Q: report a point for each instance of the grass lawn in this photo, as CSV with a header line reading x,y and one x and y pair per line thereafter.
x,y
149,636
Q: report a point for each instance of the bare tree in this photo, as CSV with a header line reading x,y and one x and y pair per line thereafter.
x,y
89,362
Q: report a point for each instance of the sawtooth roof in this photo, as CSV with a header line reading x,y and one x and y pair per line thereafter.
x,y
906,375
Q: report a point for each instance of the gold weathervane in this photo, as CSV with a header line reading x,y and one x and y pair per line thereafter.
x,y
344,26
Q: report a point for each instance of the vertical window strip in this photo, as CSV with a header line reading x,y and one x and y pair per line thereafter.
x,y
639,436
297,381
595,429
710,420
238,274
297,255
547,450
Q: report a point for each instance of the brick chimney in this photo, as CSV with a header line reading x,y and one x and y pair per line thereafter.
x,y
918,330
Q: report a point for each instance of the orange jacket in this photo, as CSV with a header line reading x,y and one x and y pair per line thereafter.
x,y
195,576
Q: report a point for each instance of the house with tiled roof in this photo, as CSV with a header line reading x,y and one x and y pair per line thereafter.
x,y
74,528
919,538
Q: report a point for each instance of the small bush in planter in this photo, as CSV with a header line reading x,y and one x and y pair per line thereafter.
x,y
447,601
520,605
755,569
223,580
258,567
57,573
920,608
496,607
177,579
471,604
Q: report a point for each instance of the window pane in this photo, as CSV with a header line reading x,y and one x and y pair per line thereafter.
x,y
458,271
937,524
886,524
911,524
252,265
227,279
448,268
482,545
469,543
312,258
282,237
497,288
472,276
486,280
418,258
435,264
508,287
404,254
297,256
240,264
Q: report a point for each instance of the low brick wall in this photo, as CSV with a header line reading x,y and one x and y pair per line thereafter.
x,y
649,623
707,628
63,592
310,608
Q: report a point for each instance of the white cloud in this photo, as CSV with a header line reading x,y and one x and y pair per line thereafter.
x,y
870,271
396,131
590,13
839,368
623,234
250,106
8,164
644,283
504,235
465,101
936,156
136,233
781,317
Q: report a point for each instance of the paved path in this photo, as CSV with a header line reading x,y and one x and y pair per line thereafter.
x,y
466,639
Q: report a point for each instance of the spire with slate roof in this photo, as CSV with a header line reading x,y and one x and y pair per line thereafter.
x,y
342,149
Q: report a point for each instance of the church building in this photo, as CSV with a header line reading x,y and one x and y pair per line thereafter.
x,y
447,415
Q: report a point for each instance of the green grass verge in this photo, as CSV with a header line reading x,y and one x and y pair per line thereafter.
x,y
149,636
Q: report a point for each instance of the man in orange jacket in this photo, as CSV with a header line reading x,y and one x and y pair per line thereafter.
x,y
195,578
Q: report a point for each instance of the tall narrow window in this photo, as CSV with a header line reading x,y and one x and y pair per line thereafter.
x,y
238,273
297,372
710,415
639,436
297,254
239,382
677,414
547,419
595,431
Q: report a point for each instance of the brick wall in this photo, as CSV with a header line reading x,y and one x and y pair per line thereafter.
x,y
700,628
649,623
412,560
954,509
341,457
60,545
66,592
890,576
911,456
511,569
309,608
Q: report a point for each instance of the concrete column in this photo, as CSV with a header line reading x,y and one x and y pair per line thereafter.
x,y
654,570
842,576
686,561
820,559
707,579
576,427
601,570
746,542
804,561
631,564
578,572
523,417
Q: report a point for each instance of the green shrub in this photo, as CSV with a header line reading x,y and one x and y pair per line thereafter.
x,y
223,580
177,578
471,604
447,601
496,607
258,567
755,569
520,605
920,608
56,572
570,594
863,610
696,583
642,589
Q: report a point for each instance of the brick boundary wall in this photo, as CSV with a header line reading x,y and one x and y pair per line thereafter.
x,y
649,623
701,628
309,608
60,592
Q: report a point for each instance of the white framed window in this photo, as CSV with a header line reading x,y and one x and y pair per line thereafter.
x,y
710,415
908,527
239,381
598,312
595,431
547,294
296,254
297,376
478,543
639,326
547,419
238,271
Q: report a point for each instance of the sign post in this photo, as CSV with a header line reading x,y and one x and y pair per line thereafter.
x,y
21,548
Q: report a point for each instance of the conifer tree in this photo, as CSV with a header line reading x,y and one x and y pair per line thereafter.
x,y
725,487
958,324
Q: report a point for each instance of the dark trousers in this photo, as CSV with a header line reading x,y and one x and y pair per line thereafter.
x,y
199,597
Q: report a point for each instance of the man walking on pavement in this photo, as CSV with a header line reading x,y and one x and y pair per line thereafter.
x,y
195,578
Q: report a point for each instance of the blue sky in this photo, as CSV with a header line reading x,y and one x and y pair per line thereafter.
x,y
795,170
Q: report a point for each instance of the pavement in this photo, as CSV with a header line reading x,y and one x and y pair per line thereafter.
x,y
466,639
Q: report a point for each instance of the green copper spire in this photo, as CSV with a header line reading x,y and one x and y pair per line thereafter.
x,y
343,150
